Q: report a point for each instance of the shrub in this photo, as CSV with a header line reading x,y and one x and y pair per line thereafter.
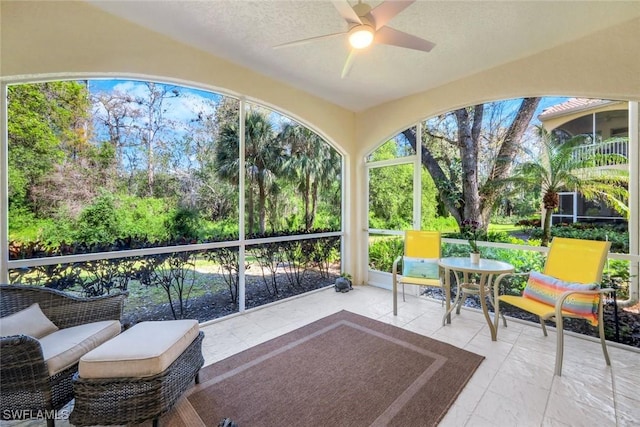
x,y
184,223
98,222
530,222
616,234
144,217
383,250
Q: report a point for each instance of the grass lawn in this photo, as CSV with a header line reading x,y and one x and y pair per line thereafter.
x,y
507,228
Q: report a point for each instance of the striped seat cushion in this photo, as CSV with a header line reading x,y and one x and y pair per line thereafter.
x,y
547,290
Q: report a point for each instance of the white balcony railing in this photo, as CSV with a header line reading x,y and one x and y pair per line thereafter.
x,y
617,146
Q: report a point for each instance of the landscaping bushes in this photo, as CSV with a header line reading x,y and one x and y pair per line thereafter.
x,y
617,234
179,274
384,249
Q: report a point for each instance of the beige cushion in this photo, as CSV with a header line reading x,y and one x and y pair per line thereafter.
x,y
147,349
30,321
65,347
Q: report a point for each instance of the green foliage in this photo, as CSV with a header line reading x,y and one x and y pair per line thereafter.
x,y
428,204
383,250
443,224
391,192
55,232
325,219
616,275
144,217
391,197
503,220
23,222
616,234
217,230
558,168
184,223
175,274
98,222
44,121
229,261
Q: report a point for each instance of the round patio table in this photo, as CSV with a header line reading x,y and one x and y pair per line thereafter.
x,y
485,270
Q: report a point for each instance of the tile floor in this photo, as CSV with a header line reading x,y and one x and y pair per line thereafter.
x,y
514,385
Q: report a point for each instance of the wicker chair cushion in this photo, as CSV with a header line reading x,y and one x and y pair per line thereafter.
x,y
65,347
30,321
147,349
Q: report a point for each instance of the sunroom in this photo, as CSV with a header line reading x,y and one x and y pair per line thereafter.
x,y
484,52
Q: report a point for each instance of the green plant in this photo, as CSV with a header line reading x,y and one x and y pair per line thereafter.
x,y
558,167
322,252
185,223
472,232
616,234
229,261
383,250
175,274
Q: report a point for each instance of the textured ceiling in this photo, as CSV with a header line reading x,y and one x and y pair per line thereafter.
x,y
470,36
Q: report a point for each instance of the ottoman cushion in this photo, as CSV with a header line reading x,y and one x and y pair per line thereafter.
x,y
147,349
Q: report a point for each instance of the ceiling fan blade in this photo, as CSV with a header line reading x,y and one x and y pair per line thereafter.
x,y
309,40
346,11
384,12
387,35
348,63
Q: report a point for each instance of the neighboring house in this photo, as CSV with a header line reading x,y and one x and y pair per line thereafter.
x,y
598,120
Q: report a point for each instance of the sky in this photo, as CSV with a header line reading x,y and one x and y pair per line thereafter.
x,y
181,109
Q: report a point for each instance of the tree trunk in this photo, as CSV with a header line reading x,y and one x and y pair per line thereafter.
x,y
468,136
477,199
446,189
546,229
306,196
249,211
262,197
314,204
503,165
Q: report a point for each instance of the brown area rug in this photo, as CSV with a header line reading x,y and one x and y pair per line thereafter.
x,y
342,370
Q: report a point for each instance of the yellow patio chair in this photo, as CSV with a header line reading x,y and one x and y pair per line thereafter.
x,y
567,287
419,262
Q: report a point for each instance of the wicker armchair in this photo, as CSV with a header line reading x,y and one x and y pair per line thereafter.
x,y
25,384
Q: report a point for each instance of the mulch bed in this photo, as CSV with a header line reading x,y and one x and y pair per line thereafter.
x,y
214,305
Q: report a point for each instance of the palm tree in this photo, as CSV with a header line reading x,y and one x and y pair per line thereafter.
x,y
263,160
559,168
313,163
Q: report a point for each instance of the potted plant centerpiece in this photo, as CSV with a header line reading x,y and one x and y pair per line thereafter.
x,y
471,230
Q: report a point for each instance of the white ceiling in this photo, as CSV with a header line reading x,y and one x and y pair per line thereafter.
x,y
470,36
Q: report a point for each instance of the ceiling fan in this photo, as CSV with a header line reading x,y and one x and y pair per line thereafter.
x,y
367,26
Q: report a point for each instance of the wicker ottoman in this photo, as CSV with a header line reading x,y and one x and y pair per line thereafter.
x,y
138,375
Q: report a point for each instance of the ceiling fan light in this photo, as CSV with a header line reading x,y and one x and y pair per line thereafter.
x,y
361,36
